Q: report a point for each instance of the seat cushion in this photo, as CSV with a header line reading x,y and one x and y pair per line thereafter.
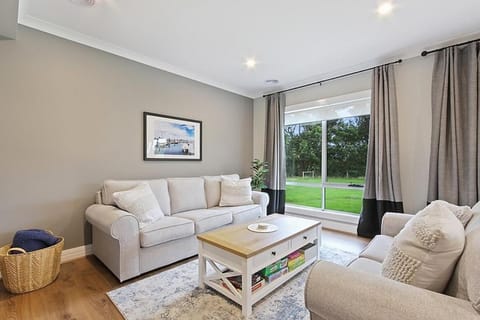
x,y
378,248
186,194
207,219
212,188
243,214
366,265
165,229
425,252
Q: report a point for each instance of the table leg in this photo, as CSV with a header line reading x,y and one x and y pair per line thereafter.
x,y
247,289
202,267
319,240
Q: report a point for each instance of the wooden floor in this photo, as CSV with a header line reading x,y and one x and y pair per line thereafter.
x,y
79,291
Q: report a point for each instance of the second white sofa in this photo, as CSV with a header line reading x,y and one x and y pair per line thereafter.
x,y
190,206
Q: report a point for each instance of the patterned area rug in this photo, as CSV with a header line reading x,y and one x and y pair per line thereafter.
x,y
174,295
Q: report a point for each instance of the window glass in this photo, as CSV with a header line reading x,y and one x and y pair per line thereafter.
x,y
326,144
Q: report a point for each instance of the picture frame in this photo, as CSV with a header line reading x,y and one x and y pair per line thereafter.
x,y
171,138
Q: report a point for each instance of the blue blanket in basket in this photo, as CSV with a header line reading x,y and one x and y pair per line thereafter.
x,y
33,239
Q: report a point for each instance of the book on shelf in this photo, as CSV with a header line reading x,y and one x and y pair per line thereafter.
x,y
295,260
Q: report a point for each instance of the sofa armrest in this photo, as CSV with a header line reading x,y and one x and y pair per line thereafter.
x,y
393,222
262,199
111,220
334,292
116,239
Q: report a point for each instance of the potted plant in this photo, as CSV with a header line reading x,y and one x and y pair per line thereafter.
x,y
259,170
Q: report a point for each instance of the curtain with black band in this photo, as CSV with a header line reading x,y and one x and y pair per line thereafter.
x,y
382,179
275,153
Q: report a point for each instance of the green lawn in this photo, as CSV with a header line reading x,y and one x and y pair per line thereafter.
x,y
346,200
360,180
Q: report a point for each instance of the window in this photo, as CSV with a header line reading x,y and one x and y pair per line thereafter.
x,y
326,147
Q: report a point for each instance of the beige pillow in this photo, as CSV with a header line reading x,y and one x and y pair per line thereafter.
x,y
426,250
463,213
236,192
141,202
213,188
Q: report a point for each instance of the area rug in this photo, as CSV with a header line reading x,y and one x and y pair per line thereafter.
x,y
174,295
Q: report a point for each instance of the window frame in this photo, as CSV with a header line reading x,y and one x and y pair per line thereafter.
x,y
344,216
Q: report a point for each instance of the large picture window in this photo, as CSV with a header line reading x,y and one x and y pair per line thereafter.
x,y
326,147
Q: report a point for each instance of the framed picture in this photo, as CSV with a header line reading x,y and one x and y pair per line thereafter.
x,y
171,138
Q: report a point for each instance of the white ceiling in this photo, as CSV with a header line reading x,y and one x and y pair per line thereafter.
x,y
293,41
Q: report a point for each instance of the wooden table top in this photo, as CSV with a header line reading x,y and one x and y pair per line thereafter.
x,y
245,243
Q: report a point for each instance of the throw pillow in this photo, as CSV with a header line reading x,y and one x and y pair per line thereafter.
x,y
213,188
426,250
236,192
463,213
141,202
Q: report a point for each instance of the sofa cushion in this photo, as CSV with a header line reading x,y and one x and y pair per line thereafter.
x,y
112,186
366,265
243,214
378,248
426,250
160,190
212,188
465,282
207,219
166,229
236,192
186,194
463,213
139,201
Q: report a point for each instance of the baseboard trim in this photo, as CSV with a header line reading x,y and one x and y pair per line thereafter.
x,y
74,253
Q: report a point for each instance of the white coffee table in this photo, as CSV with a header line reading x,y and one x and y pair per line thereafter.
x,y
235,250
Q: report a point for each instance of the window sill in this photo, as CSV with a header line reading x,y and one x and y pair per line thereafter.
x,y
330,219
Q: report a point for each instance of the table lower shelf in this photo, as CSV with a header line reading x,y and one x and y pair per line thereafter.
x,y
257,295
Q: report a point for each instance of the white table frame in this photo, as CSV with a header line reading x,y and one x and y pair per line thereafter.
x,y
235,265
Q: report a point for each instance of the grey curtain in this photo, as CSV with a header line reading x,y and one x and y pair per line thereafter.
x,y
382,179
275,153
454,169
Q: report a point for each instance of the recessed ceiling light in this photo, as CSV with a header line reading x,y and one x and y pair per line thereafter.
x,y
250,63
271,81
385,8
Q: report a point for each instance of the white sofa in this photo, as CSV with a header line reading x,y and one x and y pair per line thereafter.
x,y
190,206
359,292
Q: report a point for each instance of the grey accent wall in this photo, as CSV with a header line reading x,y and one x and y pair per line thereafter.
x,y
414,81
8,19
71,116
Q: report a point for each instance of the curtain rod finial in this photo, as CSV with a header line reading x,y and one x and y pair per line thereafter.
x,y
424,53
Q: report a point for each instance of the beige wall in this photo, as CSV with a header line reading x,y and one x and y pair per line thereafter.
x,y
413,78
71,116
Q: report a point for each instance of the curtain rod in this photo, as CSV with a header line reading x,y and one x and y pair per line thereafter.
x,y
333,78
425,52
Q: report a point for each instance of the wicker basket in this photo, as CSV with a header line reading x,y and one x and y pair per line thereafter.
x,y
30,271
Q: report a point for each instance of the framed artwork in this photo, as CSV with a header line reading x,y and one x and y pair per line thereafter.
x,y
171,138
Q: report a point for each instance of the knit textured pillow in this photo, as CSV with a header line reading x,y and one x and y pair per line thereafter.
x,y
463,213
425,252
